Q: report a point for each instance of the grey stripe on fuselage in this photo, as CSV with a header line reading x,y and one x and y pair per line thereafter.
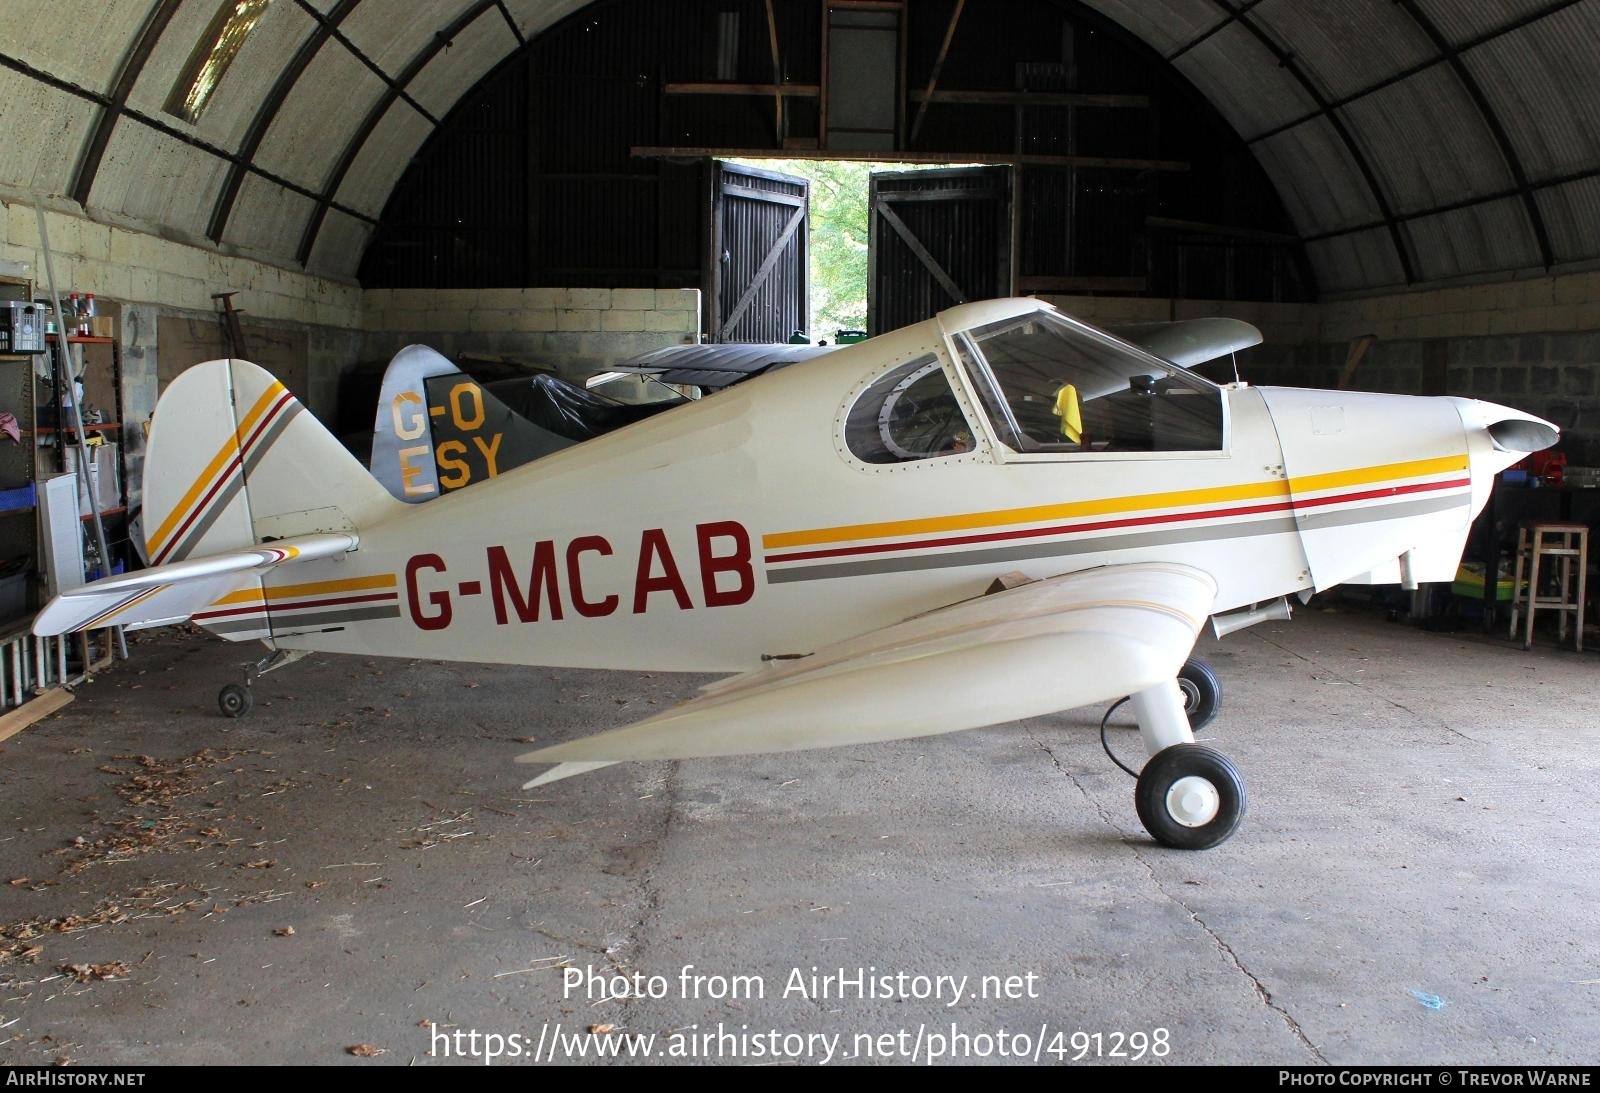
x,y
1103,544
310,622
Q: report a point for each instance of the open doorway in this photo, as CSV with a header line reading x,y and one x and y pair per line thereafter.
x,y
876,245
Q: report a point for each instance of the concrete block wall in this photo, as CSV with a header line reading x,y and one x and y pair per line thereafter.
x,y
575,331
152,277
1531,343
133,266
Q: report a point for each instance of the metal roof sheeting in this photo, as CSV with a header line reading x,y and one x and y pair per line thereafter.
x,y
1318,182
1490,236
1354,261
320,114
1439,144
1544,83
150,178
271,214
391,42
1463,20
384,158
1573,213
339,245
1244,81
1334,39
1414,138
471,55
45,129
1451,136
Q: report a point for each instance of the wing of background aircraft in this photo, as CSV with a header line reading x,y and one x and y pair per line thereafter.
x,y
1031,650
713,367
1190,342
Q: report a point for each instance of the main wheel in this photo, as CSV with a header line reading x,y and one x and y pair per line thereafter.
x,y
1202,693
235,700
1189,797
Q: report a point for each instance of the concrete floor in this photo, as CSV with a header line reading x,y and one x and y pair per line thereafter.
x,y
1418,834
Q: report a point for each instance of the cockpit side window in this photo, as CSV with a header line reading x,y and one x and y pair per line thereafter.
x,y
908,413
1050,387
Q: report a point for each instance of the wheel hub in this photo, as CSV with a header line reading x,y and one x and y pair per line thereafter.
x,y
1193,801
1191,694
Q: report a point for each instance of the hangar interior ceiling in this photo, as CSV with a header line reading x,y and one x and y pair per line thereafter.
x,y
1410,141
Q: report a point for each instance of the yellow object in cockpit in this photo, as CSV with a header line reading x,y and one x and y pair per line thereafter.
x,y
1070,411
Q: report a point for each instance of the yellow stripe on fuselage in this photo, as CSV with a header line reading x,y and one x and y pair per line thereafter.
x,y
1247,491
230,448
313,588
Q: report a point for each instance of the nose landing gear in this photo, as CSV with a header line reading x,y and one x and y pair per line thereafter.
x,y
1188,796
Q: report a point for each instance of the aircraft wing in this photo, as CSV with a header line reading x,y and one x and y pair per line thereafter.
x,y
173,592
1039,648
1189,342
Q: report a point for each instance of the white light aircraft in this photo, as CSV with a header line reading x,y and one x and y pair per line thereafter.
x,y
996,514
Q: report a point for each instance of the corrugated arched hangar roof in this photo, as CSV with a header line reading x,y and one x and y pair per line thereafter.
x,y
1411,140
294,156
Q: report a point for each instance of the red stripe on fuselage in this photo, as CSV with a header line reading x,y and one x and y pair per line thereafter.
x,y
1105,525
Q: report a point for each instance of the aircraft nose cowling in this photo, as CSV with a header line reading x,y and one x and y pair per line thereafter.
x,y
1510,430
1521,435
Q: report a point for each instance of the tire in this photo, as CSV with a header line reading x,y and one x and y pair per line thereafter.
x,y
1218,785
1202,693
235,700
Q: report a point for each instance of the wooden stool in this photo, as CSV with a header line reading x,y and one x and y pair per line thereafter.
x,y
1537,540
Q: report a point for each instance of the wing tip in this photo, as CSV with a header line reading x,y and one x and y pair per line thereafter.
x,y
561,770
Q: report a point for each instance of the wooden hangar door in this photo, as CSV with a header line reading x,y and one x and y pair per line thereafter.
x,y
938,238
757,275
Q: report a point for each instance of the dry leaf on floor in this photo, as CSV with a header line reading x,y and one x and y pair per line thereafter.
x,y
365,1051
83,973
284,931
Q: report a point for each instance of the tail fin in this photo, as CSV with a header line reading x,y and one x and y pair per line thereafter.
x,y
238,481
235,460
438,430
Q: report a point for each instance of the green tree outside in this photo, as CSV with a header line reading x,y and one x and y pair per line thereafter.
x,y
839,234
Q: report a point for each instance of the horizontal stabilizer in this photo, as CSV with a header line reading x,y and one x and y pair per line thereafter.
x,y
175,591
1036,649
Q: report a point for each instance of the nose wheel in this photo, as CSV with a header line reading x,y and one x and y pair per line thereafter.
x,y
1190,797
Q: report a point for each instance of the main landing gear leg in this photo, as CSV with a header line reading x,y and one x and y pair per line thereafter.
x,y
1189,797
235,699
